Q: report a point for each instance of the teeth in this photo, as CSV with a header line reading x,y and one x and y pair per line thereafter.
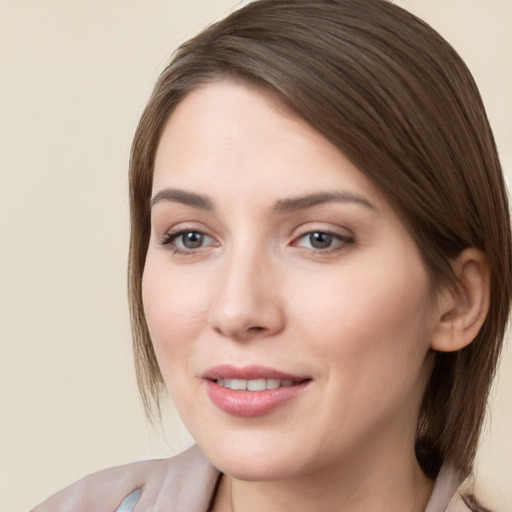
x,y
238,384
254,384
273,383
257,384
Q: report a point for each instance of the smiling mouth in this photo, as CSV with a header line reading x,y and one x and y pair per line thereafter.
x,y
255,384
259,393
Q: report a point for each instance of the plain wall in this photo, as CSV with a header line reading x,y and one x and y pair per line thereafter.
x,y
74,77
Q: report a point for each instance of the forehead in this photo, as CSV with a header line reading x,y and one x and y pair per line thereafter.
x,y
229,134
227,119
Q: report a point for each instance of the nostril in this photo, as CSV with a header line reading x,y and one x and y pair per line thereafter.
x,y
256,329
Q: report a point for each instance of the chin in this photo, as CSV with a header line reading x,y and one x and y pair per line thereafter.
x,y
256,460
249,469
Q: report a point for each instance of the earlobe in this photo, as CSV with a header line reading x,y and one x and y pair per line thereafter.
x,y
463,306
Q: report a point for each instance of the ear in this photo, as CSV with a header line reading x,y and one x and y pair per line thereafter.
x,y
463,305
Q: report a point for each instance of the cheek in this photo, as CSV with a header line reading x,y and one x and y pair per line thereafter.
x,y
372,337
377,327
175,308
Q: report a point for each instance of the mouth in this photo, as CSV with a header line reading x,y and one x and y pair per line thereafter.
x,y
252,378
252,391
255,384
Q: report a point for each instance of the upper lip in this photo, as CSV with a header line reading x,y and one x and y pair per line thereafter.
x,y
227,371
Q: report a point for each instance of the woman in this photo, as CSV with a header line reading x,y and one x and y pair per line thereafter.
x,y
319,266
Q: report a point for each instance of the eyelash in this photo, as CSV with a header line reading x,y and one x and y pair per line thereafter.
x,y
342,241
170,238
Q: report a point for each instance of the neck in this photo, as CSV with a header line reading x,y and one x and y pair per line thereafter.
x,y
390,482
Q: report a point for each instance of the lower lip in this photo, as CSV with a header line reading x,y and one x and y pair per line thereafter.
x,y
249,404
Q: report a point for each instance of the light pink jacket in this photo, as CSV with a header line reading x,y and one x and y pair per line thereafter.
x,y
184,483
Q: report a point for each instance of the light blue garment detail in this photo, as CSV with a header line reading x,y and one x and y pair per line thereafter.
x,y
130,501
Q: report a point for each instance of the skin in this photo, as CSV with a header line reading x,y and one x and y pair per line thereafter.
x,y
357,317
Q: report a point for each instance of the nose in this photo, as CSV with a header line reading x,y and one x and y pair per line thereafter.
x,y
247,302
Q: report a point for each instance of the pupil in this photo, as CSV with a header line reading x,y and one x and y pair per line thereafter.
x,y
192,240
320,240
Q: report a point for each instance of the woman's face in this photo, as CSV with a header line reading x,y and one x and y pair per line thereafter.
x,y
275,265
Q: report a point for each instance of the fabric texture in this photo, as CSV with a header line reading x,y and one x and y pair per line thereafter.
x,y
130,501
186,483
445,497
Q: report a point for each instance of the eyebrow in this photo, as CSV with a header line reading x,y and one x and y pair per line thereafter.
x,y
183,197
319,198
281,206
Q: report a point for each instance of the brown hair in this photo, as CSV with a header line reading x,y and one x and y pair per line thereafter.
x,y
394,97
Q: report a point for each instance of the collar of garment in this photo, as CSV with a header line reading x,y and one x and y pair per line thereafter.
x,y
190,482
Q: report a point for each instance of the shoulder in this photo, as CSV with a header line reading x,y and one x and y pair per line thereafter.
x,y
458,504
465,501
447,495
183,482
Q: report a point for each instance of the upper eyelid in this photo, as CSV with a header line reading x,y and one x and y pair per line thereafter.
x,y
174,233
337,231
320,227
183,227
334,234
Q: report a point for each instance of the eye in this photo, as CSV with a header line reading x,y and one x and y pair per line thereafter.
x,y
187,240
322,241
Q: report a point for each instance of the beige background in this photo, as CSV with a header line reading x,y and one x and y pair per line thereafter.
x,y
74,76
